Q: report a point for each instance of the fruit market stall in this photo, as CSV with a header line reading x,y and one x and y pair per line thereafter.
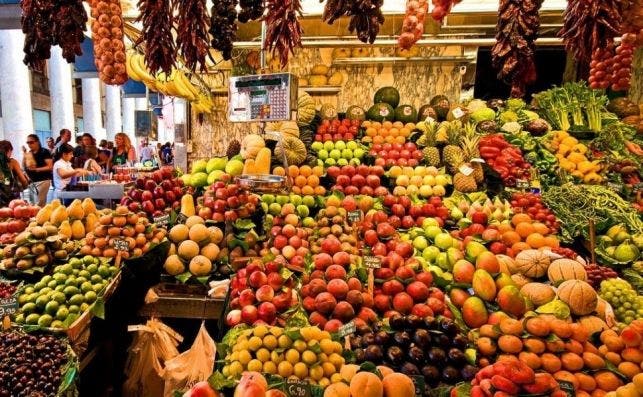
x,y
389,233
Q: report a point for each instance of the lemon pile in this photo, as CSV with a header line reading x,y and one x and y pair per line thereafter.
x,y
313,357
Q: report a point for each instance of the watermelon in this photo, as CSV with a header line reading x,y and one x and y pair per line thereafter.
x,y
441,106
355,113
406,114
426,111
381,112
388,95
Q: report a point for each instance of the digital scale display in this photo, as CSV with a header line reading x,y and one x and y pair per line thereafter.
x,y
269,97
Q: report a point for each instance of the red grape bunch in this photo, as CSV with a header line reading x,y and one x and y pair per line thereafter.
x,y
597,273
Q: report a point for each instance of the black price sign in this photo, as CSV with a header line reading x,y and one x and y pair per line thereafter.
x,y
296,388
567,387
181,218
121,245
372,262
162,220
8,306
347,329
354,216
418,382
522,184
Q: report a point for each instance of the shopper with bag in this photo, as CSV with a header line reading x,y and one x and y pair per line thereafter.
x,y
12,180
39,164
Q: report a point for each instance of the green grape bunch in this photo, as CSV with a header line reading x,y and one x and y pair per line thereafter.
x,y
627,304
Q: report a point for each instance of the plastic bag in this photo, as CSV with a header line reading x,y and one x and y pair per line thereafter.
x,y
153,345
193,365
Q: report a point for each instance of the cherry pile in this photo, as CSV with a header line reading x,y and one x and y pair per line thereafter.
x,y
6,290
30,365
532,204
597,273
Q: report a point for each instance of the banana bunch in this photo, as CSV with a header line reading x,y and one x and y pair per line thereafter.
x,y
176,84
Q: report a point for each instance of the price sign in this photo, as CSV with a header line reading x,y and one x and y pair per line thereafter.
x,y
296,388
372,262
273,135
418,382
181,218
162,220
8,306
457,113
567,387
522,184
617,187
121,245
354,216
465,169
347,329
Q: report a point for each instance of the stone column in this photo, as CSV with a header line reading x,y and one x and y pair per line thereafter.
x,y
113,119
17,114
129,105
92,117
60,92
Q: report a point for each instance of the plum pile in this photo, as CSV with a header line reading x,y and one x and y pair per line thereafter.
x,y
30,365
432,347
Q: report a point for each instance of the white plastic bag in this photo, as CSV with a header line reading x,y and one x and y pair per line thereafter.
x,y
153,344
193,365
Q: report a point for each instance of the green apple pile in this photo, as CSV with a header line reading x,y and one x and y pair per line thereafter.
x,y
339,153
283,205
57,300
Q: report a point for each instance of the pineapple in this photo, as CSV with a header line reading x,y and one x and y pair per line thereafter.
x,y
461,182
453,149
431,153
470,150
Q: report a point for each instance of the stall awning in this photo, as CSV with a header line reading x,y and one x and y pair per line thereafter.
x,y
84,66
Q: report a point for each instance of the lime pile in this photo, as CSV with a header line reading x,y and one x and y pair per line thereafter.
x,y
58,299
309,354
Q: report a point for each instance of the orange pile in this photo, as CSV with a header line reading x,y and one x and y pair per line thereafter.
x,y
386,132
304,179
553,346
525,233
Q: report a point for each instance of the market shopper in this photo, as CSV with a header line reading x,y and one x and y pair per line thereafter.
x,y
64,171
13,180
63,139
147,152
51,146
91,164
39,172
123,151
80,155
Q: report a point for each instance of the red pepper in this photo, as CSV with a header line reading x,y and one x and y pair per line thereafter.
x,y
489,152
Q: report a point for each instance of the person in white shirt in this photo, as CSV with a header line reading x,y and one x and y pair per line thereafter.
x,y
64,171
147,152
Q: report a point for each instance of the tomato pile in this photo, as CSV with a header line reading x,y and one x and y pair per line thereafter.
x,y
337,130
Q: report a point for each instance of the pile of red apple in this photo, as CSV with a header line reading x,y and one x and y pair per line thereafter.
x,y
155,194
331,298
404,213
390,154
532,204
407,291
260,294
290,242
336,130
14,219
358,180
227,203
505,158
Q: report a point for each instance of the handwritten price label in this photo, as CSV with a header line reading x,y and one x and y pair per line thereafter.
x,y
522,184
8,306
121,245
372,262
181,218
418,382
296,388
354,216
567,387
162,220
347,329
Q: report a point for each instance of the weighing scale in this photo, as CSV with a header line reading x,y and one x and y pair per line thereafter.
x,y
266,97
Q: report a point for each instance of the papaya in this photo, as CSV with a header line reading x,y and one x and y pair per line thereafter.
x,y
58,215
187,205
77,230
89,207
44,214
262,161
75,210
65,228
249,167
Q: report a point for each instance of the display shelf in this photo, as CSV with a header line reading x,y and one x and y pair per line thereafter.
x,y
400,60
323,90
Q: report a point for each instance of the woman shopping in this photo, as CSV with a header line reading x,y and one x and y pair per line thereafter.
x,y
12,179
123,151
64,171
38,163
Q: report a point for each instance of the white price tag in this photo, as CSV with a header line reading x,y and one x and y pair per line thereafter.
x,y
457,113
465,169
